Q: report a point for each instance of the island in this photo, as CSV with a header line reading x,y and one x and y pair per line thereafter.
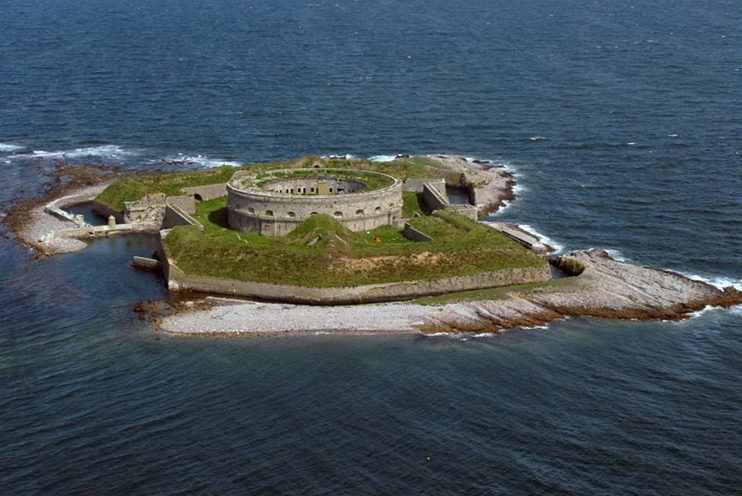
x,y
335,244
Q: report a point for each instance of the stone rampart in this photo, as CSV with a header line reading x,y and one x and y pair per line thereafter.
x,y
276,213
175,216
208,191
180,281
433,197
416,185
186,203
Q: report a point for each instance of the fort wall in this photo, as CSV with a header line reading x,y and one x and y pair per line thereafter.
x,y
180,281
276,213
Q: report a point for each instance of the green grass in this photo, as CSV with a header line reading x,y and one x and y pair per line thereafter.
x,y
460,247
372,181
492,293
172,183
413,204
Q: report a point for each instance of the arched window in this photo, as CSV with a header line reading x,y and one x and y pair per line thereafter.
x,y
198,197
269,213
378,210
338,214
250,210
359,212
313,213
291,214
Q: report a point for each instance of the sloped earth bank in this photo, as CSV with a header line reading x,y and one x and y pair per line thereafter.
x,y
606,288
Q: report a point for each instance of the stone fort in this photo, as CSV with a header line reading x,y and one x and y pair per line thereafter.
x,y
273,203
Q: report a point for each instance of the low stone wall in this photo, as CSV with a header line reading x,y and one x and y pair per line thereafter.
x,y
56,207
180,281
105,211
433,197
103,231
184,202
207,192
416,185
413,234
175,216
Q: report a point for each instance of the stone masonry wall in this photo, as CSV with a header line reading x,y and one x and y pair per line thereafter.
x,y
180,281
207,192
276,214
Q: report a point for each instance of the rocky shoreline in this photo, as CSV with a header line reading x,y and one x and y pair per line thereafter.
x,y
34,227
494,184
606,289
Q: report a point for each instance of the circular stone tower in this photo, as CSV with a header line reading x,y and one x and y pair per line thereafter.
x,y
273,203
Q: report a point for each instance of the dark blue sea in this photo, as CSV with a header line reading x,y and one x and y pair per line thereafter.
x,y
623,123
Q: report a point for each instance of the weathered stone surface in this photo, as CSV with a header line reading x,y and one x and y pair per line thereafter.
x,y
180,281
606,288
148,210
207,192
276,213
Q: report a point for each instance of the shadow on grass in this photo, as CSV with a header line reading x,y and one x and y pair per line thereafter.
x,y
219,218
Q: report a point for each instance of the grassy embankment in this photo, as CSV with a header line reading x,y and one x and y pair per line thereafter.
x,y
340,257
172,183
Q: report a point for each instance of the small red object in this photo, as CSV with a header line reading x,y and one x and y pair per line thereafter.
x,y
377,239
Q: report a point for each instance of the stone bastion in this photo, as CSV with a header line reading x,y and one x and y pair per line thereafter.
x,y
273,203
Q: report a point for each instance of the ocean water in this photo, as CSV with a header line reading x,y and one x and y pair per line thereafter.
x,y
622,123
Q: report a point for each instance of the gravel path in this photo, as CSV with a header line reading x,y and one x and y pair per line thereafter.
x,y
261,318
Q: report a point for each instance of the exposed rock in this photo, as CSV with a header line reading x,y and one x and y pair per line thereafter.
x,y
606,288
493,185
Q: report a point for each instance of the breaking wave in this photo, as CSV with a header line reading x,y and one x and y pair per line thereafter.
x,y
617,255
103,151
10,147
718,282
558,247
200,160
382,158
347,156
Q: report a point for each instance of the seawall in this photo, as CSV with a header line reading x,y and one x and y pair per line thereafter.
x,y
180,281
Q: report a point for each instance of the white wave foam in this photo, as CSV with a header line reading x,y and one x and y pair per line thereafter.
x,y
558,247
103,151
632,143
717,282
617,255
382,158
201,160
706,309
538,138
9,147
347,156
672,135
